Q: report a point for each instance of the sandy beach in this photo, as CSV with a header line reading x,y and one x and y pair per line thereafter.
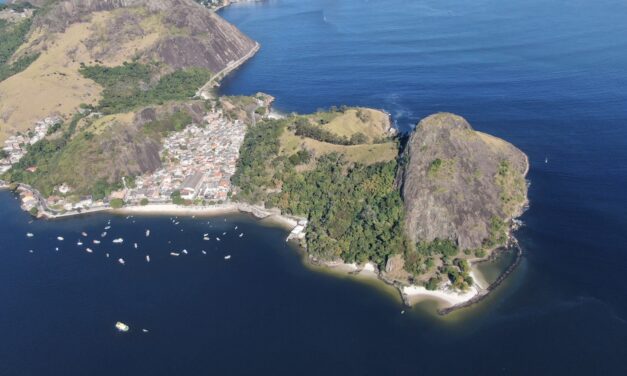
x,y
265,216
448,296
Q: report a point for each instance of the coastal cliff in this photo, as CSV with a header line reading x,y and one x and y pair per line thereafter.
x,y
457,182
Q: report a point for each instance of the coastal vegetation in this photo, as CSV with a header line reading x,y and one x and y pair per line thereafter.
x,y
134,84
354,211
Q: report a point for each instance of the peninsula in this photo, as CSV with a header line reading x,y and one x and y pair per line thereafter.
x,y
110,106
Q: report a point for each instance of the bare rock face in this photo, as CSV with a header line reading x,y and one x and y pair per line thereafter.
x,y
457,180
193,36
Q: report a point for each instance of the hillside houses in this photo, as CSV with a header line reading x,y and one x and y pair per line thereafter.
x,y
15,147
198,162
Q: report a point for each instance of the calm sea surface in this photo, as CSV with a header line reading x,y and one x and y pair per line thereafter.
x,y
549,76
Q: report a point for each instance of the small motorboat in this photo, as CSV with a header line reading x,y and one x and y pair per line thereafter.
x,y
241,235
121,327
204,252
227,257
135,245
121,261
147,233
103,234
96,241
60,238
174,254
147,258
89,250
118,240
29,234
84,234
184,251
79,243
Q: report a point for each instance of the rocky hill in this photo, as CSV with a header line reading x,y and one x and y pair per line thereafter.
x,y
66,35
461,185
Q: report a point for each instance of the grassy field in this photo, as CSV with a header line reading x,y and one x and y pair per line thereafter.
x,y
366,153
372,123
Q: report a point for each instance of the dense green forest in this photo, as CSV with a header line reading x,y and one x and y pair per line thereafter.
x,y
132,85
354,211
12,36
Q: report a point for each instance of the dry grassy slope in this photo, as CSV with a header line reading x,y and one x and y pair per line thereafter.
x,y
374,124
179,33
457,198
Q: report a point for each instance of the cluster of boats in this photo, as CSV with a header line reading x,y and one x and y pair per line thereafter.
x,y
121,260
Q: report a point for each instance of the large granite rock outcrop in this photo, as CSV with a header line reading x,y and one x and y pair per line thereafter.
x,y
457,180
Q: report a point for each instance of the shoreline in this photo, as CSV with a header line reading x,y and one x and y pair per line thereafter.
x,y
450,300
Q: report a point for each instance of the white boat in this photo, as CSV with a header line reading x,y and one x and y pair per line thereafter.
x,y
205,235
106,254
224,233
184,251
108,227
147,258
60,238
79,243
145,330
205,238
174,254
29,234
121,261
147,233
236,227
103,234
88,250
227,257
241,235
96,241
218,239
118,240
84,233
30,251
135,245
122,327
204,252
56,249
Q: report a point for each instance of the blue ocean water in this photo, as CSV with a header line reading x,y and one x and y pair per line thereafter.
x,y
549,76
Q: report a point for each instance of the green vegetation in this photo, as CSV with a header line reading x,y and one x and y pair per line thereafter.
x,y
34,211
354,211
144,201
19,7
497,233
117,203
304,128
434,167
177,199
512,185
132,85
55,159
422,259
458,274
12,36
174,122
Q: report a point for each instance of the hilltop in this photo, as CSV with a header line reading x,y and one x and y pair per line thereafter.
x,y
69,45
